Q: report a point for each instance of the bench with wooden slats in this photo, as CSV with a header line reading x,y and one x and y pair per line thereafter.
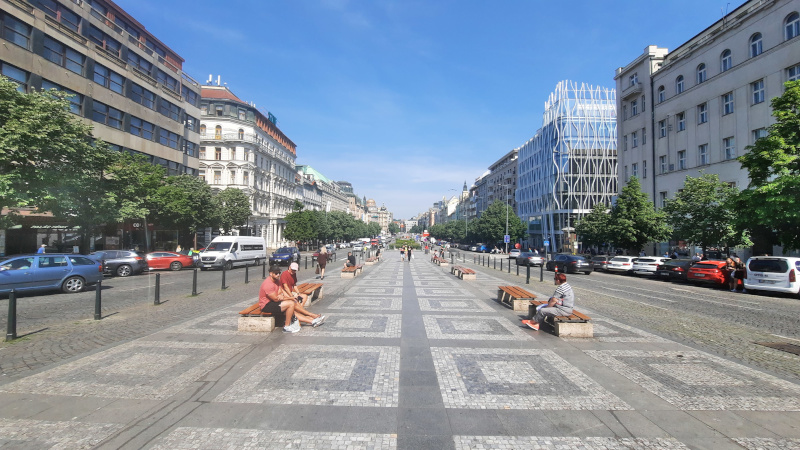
x,y
370,261
253,319
254,311
464,273
576,324
352,271
514,296
313,290
440,261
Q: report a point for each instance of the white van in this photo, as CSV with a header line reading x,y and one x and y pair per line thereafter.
x,y
773,273
228,251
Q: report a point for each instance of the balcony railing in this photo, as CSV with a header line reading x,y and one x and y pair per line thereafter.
x,y
249,138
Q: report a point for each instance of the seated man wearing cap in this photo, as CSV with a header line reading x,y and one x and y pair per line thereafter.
x,y
289,285
273,299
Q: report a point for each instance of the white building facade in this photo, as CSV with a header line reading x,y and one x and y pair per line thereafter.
x,y
241,147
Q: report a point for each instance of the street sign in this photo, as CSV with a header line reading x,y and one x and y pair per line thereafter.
x,y
546,243
506,239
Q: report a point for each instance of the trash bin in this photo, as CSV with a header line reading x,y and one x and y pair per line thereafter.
x,y
531,311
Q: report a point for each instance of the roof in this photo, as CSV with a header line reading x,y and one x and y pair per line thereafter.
x,y
219,92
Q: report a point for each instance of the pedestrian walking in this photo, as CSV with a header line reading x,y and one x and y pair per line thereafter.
x,y
403,253
41,249
408,253
322,260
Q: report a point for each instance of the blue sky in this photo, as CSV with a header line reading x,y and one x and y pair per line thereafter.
x,y
409,99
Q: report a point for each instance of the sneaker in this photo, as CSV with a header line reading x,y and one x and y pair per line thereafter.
x,y
291,329
744,291
318,321
531,324
733,290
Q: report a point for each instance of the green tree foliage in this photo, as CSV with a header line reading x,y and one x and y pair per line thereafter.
x,y
491,226
395,228
634,221
184,202
772,200
232,208
593,228
702,213
373,229
134,182
299,226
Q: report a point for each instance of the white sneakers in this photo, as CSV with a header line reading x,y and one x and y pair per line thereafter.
x,y
318,321
293,328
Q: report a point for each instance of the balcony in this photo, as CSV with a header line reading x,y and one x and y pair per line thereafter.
x,y
630,91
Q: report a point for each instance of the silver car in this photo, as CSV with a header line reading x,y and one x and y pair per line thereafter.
x,y
529,259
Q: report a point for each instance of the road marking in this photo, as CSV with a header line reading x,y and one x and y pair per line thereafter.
x,y
784,337
627,300
646,296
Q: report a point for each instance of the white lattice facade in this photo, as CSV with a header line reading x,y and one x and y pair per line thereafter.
x,y
570,164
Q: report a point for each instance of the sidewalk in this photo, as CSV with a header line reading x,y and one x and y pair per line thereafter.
x,y
410,357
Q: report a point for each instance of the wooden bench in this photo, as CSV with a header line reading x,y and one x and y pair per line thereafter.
x,y
371,261
575,325
514,296
440,261
464,273
252,319
313,290
352,271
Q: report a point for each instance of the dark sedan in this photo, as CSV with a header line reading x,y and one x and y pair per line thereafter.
x,y
569,264
674,270
600,262
121,263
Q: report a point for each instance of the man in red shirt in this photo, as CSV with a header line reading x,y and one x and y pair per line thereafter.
x,y
272,299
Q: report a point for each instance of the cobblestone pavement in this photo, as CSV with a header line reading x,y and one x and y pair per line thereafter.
x,y
409,357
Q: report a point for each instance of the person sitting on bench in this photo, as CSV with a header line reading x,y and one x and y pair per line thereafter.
x,y
560,304
272,299
351,260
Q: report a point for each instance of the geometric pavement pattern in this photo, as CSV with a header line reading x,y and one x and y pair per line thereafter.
x,y
187,438
26,433
487,328
538,443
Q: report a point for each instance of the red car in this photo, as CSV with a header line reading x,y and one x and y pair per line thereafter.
x,y
168,260
713,272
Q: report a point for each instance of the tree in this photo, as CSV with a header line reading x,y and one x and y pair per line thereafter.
x,y
299,226
232,208
186,203
634,221
593,228
702,213
373,229
491,226
772,199
394,228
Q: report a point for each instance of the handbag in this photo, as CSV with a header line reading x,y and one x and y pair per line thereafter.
x,y
316,271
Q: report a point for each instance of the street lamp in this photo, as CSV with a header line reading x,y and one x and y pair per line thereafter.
x,y
508,189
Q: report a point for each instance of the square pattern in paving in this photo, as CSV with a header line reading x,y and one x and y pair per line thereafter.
x,y
47,434
453,305
698,381
374,290
436,283
768,443
222,322
368,303
321,375
152,370
359,325
516,379
485,328
443,292
606,330
187,438
540,443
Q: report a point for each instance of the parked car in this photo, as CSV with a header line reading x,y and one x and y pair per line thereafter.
x,y
569,264
168,260
621,264
47,271
529,259
773,273
228,251
713,272
331,253
285,255
122,263
647,265
674,269
600,262
513,253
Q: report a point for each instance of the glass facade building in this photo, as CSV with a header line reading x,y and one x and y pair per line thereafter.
x,y
569,165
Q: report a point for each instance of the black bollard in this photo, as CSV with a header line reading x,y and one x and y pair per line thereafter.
x,y
11,327
306,264
246,274
264,272
509,266
541,272
97,300
157,299
223,278
194,282
528,276
517,269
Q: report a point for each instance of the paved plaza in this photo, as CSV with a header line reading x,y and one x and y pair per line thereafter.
x,y
409,357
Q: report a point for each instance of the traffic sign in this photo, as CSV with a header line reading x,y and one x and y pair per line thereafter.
x,y
506,239
546,243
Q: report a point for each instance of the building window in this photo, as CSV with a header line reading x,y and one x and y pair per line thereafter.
x,y
758,91
241,133
218,153
202,130
634,140
755,45
202,154
130,29
218,132
625,143
679,84
681,119
727,104
169,139
644,136
142,96
75,99
729,144
701,73
62,55
16,32
702,151
682,159
246,178
644,169
104,41
189,148
139,62
62,15
662,164
189,122
167,109
634,108
190,97
633,80
233,153
661,94
625,174
635,169
759,133
662,198
107,115
624,112
702,113
247,154
167,81
219,110
232,175
725,61
662,128
792,26
793,73
108,78
15,74
643,104
141,128
217,177
202,175
242,114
